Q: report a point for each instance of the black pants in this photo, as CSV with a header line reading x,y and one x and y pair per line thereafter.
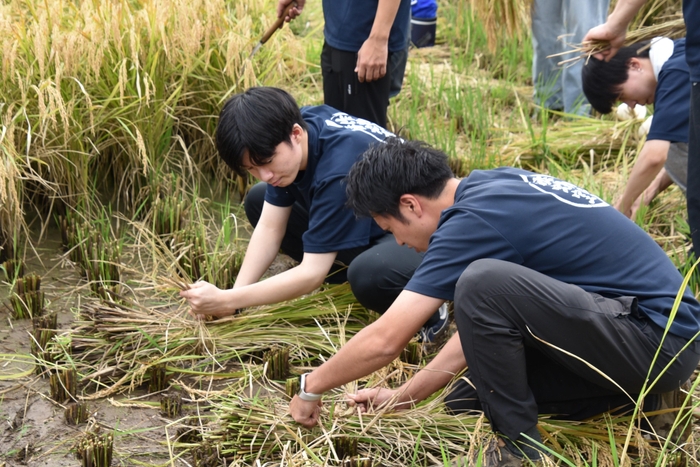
x,y
511,320
344,91
693,191
377,273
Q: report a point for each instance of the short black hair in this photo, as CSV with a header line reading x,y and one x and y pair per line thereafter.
x,y
602,81
256,121
390,169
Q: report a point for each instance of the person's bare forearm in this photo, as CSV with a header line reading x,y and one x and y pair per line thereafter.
x,y
261,252
375,346
373,56
624,12
384,19
650,161
264,244
290,284
436,374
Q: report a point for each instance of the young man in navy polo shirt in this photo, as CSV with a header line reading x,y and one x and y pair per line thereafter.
x,y
614,31
647,73
553,288
302,157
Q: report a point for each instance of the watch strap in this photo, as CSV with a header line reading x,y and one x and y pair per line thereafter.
x,y
306,396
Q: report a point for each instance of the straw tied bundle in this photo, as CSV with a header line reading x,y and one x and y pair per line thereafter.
x,y
117,347
674,28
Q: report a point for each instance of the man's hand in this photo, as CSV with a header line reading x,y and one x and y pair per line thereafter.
x,y
305,413
377,398
607,32
293,12
204,299
372,59
627,212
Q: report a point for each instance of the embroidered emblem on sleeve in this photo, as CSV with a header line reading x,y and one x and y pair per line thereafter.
x,y
564,191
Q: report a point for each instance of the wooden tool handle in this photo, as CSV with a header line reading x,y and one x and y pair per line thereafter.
x,y
277,24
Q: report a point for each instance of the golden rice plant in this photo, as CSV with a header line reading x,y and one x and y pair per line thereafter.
x,y
509,17
12,225
99,95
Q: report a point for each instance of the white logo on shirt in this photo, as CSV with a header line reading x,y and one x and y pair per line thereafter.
x,y
343,120
564,191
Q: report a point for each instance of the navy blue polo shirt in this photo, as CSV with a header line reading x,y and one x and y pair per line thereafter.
x,y
335,141
349,22
672,99
560,230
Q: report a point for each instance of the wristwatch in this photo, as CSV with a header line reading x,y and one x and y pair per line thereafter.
x,y
306,396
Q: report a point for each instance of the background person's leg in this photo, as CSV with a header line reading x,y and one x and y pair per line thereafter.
x,y
578,17
343,90
546,28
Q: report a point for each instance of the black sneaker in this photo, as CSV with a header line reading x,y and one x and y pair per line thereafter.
x,y
434,331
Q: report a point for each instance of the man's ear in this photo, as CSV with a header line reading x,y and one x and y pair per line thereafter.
x,y
297,131
634,64
410,203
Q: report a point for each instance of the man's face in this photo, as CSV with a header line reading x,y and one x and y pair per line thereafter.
x,y
409,231
281,169
640,86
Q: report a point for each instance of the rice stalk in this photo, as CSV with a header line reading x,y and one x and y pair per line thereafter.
x,y
673,28
508,17
64,385
44,329
115,345
95,450
27,300
76,413
570,143
171,405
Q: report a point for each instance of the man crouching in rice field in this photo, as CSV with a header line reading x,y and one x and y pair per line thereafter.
x,y
302,157
649,72
552,287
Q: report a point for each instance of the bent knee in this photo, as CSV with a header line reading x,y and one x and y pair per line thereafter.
x,y
483,272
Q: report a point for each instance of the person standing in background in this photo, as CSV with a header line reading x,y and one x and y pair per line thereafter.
x,y
360,36
614,30
556,25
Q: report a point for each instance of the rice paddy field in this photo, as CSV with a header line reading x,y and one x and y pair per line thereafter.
x,y
112,199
